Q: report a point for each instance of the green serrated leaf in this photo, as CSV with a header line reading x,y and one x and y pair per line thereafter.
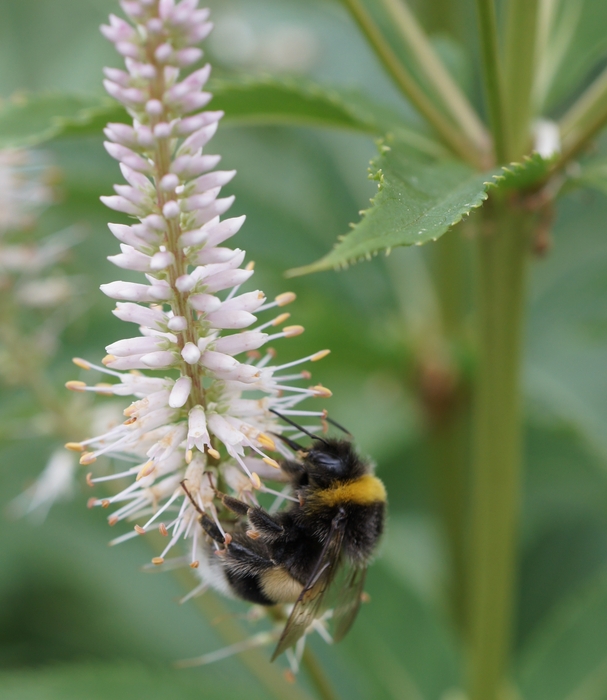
x,y
33,119
522,176
419,199
296,101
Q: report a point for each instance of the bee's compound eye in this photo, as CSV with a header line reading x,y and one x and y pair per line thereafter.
x,y
328,462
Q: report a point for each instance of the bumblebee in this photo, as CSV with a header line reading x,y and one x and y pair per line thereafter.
x,y
294,556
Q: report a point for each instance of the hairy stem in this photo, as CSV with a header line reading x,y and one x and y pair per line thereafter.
x,y
432,68
584,119
493,78
520,72
450,135
497,436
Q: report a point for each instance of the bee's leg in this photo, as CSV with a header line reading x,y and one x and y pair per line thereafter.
x,y
211,529
237,552
263,525
234,504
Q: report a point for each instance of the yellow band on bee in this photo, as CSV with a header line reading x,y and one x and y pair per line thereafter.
x,y
364,491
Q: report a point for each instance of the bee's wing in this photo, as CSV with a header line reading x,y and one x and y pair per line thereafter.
x,y
348,603
307,606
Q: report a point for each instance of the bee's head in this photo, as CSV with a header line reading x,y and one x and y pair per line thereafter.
x,y
329,461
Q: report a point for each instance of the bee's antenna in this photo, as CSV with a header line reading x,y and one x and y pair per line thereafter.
x,y
189,495
299,427
337,425
291,443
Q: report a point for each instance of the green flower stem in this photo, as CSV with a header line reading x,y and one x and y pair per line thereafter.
x,y
492,78
503,246
256,660
448,443
317,675
450,135
521,59
584,119
430,65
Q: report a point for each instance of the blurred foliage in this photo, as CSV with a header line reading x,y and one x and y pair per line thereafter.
x,y
79,620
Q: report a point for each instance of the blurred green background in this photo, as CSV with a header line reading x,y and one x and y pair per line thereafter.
x,y
80,620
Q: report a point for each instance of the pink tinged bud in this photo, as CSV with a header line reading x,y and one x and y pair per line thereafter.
x,y
240,342
171,210
165,8
180,393
126,234
185,283
120,204
135,346
161,289
162,260
227,279
192,238
223,430
204,303
163,130
145,137
169,183
132,8
154,108
136,179
121,133
131,259
192,166
163,53
199,201
198,434
126,156
131,291
127,49
134,195
119,30
126,363
198,139
120,77
160,359
188,56
147,71
209,256
218,178
190,353
224,230
217,208
199,30
178,323
142,315
154,25
155,221
250,301
184,12
230,319
193,101
190,124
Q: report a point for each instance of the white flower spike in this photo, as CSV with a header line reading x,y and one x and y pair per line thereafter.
x,y
208,413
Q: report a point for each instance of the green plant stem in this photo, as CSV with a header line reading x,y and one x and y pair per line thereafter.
x,y
450,135
448,443
258,663
433,69
584,119
520,63
317,676
496,464
492,78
